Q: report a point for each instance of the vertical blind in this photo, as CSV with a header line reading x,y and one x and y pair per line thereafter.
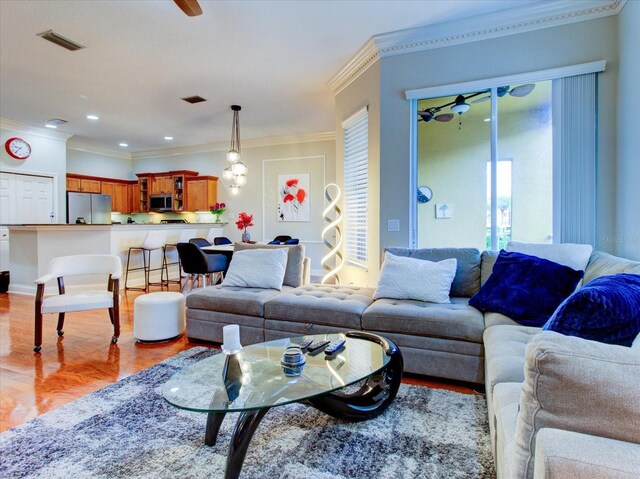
x,y
356,176
576,139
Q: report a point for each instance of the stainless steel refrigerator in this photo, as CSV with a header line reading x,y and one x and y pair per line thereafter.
x,y
88,208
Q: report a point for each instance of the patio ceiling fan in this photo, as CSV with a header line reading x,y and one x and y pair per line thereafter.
x,y
189,7
517,91
460,105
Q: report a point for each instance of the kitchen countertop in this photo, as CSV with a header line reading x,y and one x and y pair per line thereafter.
x,y
58,226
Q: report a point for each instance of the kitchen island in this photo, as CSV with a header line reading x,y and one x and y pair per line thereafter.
x,y
33,246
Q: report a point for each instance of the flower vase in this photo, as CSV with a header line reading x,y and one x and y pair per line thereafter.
x,y
216,218
246,237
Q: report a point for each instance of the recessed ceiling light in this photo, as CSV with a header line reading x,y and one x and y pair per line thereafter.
x,y
168,138
124,144
92,117
487,119
49,125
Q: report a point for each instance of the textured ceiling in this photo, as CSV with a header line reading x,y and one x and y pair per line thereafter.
x,y
271,57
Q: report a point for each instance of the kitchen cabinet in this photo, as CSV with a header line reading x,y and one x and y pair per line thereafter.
x,y
134,198
84,185
162,185
201,193
119,195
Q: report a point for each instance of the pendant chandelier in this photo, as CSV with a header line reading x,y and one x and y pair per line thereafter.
x,y
236,172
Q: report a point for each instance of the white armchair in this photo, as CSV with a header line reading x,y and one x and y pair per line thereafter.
x,y
89,264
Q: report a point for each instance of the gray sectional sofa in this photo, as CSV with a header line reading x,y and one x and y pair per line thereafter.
x,y
558,406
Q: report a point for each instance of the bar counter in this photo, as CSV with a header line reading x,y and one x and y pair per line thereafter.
x,y
33,246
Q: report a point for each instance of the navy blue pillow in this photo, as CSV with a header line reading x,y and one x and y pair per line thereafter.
x,y
606,310
526,288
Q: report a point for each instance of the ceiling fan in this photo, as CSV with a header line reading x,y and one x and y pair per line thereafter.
x,y
517,91
189,7
460,105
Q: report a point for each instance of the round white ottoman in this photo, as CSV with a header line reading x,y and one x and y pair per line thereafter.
x,y
158,316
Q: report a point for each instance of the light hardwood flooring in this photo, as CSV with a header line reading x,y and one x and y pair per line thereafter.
x,y
83,360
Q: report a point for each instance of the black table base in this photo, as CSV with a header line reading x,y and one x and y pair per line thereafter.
x,y
370,400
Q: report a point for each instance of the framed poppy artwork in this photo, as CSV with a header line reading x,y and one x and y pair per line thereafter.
x,y
293,197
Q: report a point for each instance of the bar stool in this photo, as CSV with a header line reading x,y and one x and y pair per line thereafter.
x,y
155,240
185,236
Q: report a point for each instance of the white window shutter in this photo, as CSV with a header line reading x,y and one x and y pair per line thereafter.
x,y
356,177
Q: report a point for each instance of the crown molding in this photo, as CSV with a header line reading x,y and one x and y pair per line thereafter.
x,y
18,127
473,29
366,56
224,145
89,148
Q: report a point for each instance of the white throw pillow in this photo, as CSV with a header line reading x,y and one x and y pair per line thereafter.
x,y
411,278
575,256
257,268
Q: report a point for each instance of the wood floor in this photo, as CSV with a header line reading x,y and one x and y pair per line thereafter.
x,y
83,360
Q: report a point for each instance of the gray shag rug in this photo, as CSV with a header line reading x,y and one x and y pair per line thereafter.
x,y
127,430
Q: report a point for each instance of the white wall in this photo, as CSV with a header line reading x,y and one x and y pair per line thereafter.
x,y
532,51
626,237
48,157
84,162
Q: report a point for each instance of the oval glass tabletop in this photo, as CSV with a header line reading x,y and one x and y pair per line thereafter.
x,y
200,387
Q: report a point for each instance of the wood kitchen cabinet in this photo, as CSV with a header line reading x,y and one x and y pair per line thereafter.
x,y
119,195
134,198
201,193
161,185
83,184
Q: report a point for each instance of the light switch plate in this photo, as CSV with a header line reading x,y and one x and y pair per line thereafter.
x,y
393,225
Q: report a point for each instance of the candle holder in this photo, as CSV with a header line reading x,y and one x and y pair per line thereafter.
x,y
232,369
232,375
293,361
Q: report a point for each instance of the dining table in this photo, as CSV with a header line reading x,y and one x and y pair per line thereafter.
x,y
216,249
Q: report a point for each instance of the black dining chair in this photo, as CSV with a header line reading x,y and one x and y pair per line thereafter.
x,y
199,265
201,242
292,241
280,239
219,240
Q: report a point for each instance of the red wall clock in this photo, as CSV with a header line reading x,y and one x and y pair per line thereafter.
x,y
18,148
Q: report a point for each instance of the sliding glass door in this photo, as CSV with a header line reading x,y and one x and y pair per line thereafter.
x,y
460,203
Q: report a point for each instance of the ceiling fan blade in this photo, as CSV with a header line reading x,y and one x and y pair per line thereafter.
x,y
480,100
426,115
522,90
190,7
444,117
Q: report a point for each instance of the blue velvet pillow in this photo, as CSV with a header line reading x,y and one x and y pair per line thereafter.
x,y
526,288
606,310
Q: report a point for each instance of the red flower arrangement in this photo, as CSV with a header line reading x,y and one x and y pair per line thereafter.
x,y
218,208
244,221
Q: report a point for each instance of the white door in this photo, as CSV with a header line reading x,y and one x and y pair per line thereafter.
x,y
25,198
7,198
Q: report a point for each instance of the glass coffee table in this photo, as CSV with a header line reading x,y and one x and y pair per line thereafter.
x,y
370,364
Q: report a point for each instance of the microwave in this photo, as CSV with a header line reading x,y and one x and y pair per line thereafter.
x,y
160,203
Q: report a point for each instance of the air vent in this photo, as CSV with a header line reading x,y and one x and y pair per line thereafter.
x,y
56,121
194,99
61,41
